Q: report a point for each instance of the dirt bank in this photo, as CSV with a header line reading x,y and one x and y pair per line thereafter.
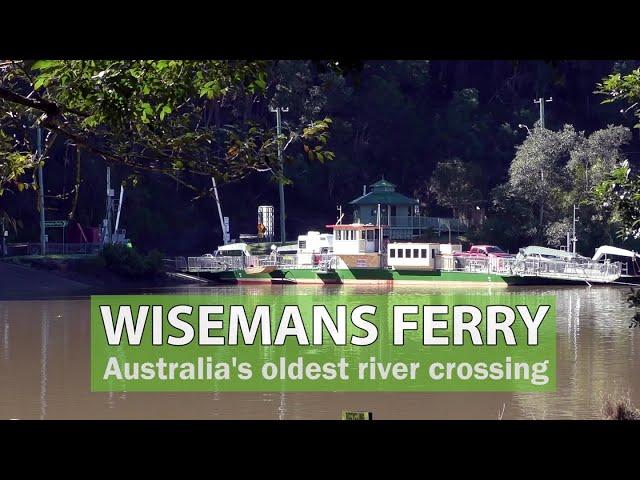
x,y
17,281
25,279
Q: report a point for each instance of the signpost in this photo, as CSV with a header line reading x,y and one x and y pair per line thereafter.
x,y
56,224
5,234
227,232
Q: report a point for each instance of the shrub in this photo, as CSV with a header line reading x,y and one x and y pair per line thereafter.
x,y
128,262
619,409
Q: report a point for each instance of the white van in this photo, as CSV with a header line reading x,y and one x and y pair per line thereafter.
x,y
233,250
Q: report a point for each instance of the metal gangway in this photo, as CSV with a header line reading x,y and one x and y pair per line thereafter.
x,y
206,264
577,269
218,264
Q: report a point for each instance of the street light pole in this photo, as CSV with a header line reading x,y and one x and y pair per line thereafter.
x,y
43,243
278,110
542,101
574,239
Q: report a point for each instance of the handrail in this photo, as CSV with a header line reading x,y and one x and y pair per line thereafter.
x,y
505,266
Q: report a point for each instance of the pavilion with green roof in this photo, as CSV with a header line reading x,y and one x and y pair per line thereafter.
x,y
399,212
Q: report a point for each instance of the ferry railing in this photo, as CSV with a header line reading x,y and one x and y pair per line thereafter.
x,y
212,264
497,265
55,248
566,268
553,268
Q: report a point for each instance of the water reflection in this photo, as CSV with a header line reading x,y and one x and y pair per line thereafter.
x,y
44,366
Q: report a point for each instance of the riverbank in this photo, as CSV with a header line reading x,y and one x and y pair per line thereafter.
x,y
54,276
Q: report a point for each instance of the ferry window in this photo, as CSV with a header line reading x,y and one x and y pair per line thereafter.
x,y
400,252
353,234
433,253
415,253
407,252
392,253
423,253
302,244
337,234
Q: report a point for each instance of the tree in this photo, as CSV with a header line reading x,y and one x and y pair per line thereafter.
x,y
618,194
536,173
619,87
454,185
150,115
554,170
618,197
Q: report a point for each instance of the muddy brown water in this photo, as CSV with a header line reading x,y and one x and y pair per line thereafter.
x,y
44,368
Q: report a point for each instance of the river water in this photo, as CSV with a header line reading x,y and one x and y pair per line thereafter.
x,y
44,368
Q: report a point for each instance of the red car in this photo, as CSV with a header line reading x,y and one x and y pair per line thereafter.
x,y
484,251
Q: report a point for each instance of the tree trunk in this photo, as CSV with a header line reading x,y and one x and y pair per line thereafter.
x,y
76,193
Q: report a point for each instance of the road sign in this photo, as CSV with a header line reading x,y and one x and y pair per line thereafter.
x,y
227,233
56,223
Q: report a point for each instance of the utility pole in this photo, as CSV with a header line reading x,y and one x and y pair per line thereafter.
x,y
108,221
542,101
225,234
574,239
4,240
43,243
277,111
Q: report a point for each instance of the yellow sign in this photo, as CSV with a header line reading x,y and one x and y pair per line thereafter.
x,y
347,415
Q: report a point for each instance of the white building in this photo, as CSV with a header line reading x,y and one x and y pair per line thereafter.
x,y
427,256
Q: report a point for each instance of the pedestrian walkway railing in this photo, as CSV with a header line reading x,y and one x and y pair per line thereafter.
x,y
576,269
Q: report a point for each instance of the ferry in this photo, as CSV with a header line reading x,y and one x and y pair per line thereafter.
x,y
360,254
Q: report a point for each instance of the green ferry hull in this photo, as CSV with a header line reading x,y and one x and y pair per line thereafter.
x,y
382,276
370,276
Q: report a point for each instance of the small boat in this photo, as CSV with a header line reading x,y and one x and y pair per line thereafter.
x,y
628,258
563,265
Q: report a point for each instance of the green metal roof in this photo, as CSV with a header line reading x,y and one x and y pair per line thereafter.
x,y
383,185
383,198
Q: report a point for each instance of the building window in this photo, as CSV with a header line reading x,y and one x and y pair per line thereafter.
x,y
338,235
423,253
433,253
407,252
400,252
415,253
392,252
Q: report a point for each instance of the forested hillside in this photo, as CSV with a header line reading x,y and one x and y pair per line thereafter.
x,y
401,119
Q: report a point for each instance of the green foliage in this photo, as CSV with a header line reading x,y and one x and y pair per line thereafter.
x,y
618,198
13,165
131,264
556,170
454,185
619,87
158,115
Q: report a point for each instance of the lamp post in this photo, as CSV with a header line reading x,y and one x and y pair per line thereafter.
x,y
522,125
43,238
